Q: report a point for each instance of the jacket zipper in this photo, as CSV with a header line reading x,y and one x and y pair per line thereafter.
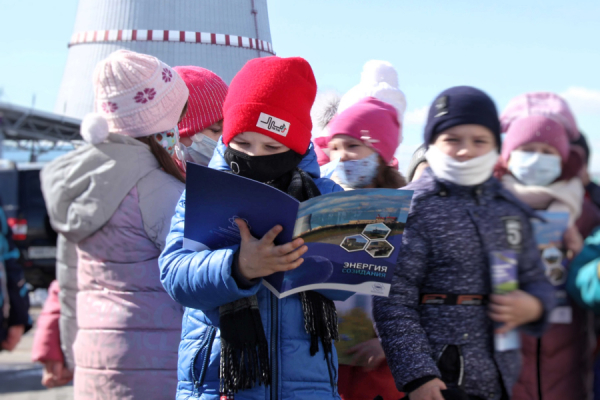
x,y
274,345
207,343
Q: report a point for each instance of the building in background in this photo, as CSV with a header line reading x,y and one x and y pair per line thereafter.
x,y
220,35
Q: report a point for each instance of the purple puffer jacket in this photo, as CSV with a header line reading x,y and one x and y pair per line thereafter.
x,y
115,203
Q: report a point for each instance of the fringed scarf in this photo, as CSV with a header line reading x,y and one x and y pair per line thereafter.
x,y
244,347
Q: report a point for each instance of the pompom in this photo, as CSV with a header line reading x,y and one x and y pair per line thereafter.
x,y
379,79
94,128
323,110
376,71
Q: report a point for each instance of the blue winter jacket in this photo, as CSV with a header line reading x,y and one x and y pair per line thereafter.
x,y
202,281
583,283
448,237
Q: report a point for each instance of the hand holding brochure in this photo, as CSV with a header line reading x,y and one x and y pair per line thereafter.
x,y
505,280
353,238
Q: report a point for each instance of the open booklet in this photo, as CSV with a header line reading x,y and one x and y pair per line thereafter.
x,y
353,237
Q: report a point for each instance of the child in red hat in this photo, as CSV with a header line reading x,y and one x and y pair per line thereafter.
x,y
230,316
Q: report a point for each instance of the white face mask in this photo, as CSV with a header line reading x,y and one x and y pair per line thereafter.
x,y
201,149
534,169
358,173
466,173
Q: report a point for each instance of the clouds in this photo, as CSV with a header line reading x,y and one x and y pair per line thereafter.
x,y
583,101
417,116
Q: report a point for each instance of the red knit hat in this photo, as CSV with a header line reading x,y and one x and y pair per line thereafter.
x,y
272,96
205,104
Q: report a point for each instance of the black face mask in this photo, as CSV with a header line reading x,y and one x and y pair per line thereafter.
x,y
261,168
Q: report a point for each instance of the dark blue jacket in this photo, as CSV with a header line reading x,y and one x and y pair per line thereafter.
x,y
13,277
448,236
203,281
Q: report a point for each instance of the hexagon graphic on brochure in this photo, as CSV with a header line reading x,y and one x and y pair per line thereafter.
x,y
379,248
376,231
354,243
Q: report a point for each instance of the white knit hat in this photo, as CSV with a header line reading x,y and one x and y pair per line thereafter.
x,y
379,79
136,95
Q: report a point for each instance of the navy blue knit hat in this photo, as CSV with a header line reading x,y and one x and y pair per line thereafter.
x,y
461,105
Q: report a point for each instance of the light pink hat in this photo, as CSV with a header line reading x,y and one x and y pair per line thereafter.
x,y
135,95
540,103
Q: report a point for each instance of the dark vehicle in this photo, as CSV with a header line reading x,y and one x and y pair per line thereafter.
x,y
25,210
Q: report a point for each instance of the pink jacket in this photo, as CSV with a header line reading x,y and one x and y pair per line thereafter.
x,y
46,342
115,203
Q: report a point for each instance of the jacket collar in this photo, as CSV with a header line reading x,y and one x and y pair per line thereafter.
x,y
442,187
488,190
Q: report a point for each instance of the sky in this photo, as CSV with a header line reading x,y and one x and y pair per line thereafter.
x,y
505,48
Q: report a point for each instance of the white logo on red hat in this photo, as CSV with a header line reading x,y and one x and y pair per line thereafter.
x,y
273,124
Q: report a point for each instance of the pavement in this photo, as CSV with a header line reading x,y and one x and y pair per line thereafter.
x,y
20,378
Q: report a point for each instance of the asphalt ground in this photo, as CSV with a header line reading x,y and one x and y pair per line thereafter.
x,y
20,378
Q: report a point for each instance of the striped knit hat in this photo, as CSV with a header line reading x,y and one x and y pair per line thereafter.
x,y
205,104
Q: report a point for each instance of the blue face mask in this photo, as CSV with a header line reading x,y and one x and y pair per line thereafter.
x,y
358,173
534,169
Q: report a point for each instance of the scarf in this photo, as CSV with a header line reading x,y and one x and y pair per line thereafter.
x,y
562,196
464,173
244,347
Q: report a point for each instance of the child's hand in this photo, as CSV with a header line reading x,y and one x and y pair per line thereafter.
x,y
514,309
431,390
368,354
55,374
13,337
260,257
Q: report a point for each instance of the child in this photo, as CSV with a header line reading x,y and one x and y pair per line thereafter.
x,y
460,214
418,164
379,79
230,314
364,138
14,296
46,342
202,125
113,198
540,168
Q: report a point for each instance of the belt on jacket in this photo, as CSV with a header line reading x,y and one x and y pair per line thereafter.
x,y
451,299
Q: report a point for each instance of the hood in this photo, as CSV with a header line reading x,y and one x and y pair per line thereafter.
x,y
308,164
84,188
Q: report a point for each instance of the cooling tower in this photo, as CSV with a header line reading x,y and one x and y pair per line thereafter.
x,y
220,35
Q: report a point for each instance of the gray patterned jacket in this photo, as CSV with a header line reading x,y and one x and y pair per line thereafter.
x,y
449,234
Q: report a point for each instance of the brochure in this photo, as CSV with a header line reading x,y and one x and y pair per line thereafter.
x,y
504,280
355,325
353,237
549,236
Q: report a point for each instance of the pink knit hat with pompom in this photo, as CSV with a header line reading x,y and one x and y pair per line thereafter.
x,y
136,95
372,121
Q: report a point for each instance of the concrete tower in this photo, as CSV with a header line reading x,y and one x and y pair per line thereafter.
x,y
220,35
